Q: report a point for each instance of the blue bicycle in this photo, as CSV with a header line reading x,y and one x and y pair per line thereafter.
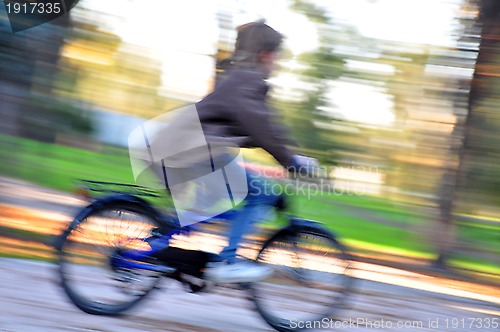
x,y
118,248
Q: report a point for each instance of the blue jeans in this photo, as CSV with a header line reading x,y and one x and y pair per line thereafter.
x,y
257,204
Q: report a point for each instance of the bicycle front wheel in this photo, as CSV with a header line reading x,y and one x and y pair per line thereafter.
x,y
311,278
85,255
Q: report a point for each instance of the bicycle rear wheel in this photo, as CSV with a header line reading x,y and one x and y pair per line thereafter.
x,y
85,255
311,278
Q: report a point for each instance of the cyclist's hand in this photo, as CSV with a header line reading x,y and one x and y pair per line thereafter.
x,y
302,165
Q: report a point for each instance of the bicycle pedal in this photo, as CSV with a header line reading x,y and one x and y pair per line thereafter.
x,y
193,284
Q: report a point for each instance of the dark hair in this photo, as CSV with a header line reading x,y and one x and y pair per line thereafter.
x,y
254,38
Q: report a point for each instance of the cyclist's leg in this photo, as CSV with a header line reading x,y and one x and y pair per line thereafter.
x,y
258,203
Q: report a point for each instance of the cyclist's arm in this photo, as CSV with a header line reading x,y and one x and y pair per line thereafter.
x,y
255,117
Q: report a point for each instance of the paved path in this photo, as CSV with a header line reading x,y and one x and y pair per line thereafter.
x,y
32,301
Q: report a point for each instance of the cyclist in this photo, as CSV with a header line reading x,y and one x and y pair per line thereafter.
x,y
237,112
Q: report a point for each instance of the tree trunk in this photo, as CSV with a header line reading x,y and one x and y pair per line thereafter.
x,y
455,173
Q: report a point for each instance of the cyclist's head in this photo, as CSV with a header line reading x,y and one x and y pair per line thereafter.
x,y
257,44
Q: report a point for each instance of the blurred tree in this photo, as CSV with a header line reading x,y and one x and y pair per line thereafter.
x,y
17,65
29,66
321,67
475,137
108,74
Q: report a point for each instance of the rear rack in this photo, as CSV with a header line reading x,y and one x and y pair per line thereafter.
x,y
87,186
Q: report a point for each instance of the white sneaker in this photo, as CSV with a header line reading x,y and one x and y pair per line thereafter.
x,y
237,273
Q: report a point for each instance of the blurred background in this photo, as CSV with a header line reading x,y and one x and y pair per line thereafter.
x,y
398,99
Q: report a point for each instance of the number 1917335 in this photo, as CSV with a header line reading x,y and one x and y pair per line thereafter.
x,y
33,8
472,323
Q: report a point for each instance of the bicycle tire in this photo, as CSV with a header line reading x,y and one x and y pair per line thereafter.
x,y
85,248
320,273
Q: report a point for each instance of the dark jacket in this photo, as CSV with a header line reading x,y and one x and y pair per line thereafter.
x,y
236,113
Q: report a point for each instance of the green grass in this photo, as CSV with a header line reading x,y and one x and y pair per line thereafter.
x,y
481,233
474,264
357,219
58,166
